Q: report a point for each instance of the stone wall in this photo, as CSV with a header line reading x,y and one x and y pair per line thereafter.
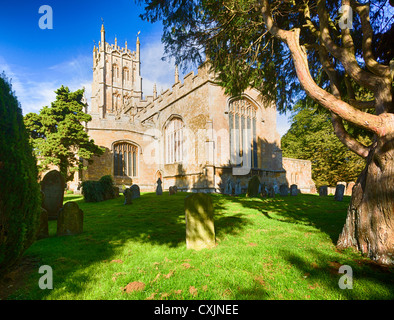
x,y
299,172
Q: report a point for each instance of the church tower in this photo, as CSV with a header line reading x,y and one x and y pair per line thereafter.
x,y
117,82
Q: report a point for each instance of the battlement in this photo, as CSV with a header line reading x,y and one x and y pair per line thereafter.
x,y
178,90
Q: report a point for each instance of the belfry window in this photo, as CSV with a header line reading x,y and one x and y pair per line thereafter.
x,y
174,141
125,159
243,140
115,73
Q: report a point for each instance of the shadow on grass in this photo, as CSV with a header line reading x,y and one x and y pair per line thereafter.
x,y
150,220
323,213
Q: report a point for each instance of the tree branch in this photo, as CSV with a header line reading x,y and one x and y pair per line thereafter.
x,y
346,57
370,62
380,125
350,142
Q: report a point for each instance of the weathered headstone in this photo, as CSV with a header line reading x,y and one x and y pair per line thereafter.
x,y
70,219
172,190
237,189
339,192
200,229
159,189
349,188
135,191
53,187
293,190
323,191
284,190
43,231
128,196
253,186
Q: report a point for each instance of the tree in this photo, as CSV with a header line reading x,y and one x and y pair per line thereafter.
x,y
311,137
20,199
254,43
58,135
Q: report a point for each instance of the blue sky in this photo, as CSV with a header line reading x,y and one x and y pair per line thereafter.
x,y
40,60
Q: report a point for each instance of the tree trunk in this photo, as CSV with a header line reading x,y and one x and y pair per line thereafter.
x,y
369,225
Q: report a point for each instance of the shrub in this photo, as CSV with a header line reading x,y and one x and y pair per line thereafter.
x,y
108,187
95,191
20,197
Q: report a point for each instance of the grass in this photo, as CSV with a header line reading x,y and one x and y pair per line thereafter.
x,y
281,248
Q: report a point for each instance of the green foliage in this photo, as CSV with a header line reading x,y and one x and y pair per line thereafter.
x,y
241,51
20,198
96,191
58,135
311,137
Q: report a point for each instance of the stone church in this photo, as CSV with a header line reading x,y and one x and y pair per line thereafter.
x,y
192,135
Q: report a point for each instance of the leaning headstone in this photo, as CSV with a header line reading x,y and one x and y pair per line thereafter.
x,y
284,190
53,187
276,188
238,189
128,196
349,188
70,219
323,191
339,192
43,231
135,191
253,187
159,189
293,190
200,229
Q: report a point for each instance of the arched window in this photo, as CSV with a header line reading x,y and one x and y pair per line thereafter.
x,y
116,101
126,76
125,159
173,135
242,125
115,73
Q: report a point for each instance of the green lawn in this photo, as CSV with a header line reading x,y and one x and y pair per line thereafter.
x,y
282,248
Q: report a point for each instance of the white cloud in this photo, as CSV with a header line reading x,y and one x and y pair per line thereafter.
x,y
34,92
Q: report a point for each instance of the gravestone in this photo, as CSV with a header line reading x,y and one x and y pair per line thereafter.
x,y
116,192
349,188
323,191
253,186
159,189
271,192
42,231
238,189
172,190
284,190
70,219
276,188
293,190
128,196
263,190
229,187
53,187
135,191
200,229
339,192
